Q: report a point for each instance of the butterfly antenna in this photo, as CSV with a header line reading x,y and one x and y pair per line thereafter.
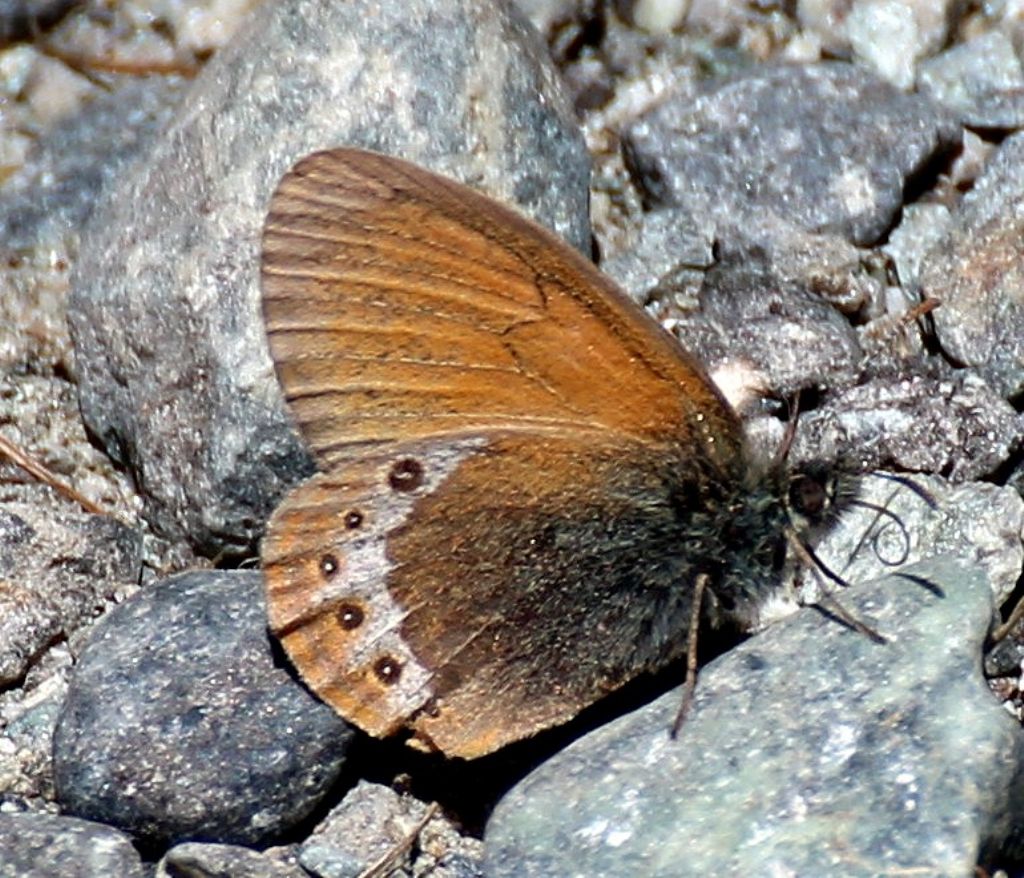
x,y
911,485
810,559
690,682
924,583
879,511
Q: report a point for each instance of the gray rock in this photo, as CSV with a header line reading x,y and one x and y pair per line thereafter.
x,y
57,570
196,860
892,36
828,148
981,81
371,822
979,524
751,317
977,272
672,250
958,426
668,259
809,750
28,716
174,373
921,226
889,36
47,846
180,723
53,194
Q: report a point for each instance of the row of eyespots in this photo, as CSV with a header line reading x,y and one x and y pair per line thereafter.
x,y
406,475
351,615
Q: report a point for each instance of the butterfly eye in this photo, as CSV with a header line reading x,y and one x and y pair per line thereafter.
x,y
350,616
328,566
388,669
808,496
406,475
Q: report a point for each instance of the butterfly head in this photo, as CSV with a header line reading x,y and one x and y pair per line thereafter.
x,y
770,512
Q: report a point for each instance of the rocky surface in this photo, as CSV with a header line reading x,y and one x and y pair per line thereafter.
x,y
849,768
845,229
164,309
48,846
777,141
180,723
975,271
57,571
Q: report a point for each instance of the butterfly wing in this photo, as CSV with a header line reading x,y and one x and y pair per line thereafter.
x,y
479,590
493,543
400,305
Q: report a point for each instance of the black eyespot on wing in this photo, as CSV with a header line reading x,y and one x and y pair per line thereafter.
x,y
329,566
406,475
353,519
350,615
387,670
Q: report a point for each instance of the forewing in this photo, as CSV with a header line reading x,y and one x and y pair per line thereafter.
x,y
400,304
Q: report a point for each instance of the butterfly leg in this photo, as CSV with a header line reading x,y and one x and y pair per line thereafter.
x,y
690,683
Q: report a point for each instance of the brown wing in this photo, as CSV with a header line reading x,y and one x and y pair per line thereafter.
x,y
479,590
400,304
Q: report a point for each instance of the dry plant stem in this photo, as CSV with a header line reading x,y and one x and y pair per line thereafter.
x,y
34,468
690,683
387,862
920,310
1007,626
88,66
790,435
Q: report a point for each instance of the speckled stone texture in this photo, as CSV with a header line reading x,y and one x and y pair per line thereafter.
x,y
778,141
56,571
977,272
180,723
887,36
371,822
197,860
873,759
47,846
174,373
958,425
982,81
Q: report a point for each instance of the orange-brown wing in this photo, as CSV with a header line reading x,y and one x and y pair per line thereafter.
x,y
400,304
476,590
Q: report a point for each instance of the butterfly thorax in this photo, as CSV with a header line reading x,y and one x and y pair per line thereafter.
x,y
748,548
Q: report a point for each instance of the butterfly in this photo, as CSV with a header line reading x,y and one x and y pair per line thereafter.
x,y
522,476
